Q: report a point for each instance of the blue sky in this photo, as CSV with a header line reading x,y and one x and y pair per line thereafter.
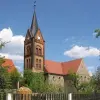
x,y
66,25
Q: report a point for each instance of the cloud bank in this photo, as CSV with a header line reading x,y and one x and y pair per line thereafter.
x,y
80,52
14,49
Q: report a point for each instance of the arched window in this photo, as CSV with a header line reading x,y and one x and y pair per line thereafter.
x,y
38,50
39,63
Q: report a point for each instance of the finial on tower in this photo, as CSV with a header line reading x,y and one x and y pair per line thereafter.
x,y
34,4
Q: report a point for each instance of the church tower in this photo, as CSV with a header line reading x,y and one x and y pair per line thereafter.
x,y
34,47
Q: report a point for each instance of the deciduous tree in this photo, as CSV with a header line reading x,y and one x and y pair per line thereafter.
x,y
15,77
97,31
37,83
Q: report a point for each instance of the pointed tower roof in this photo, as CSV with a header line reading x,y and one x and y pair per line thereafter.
x,y
34,24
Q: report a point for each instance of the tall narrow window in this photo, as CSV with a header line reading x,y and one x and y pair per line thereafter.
x,y
27,64
40,51
28,49
39,63
37,51
30,63
36,63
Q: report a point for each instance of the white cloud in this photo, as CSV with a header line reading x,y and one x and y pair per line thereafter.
x,y
6,34
15,48
80,51
13,57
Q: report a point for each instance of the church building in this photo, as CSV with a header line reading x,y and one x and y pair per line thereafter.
x,y
55,72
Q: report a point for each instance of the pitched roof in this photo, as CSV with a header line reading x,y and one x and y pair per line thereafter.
x,y
62,68
71,66
8,63
53,67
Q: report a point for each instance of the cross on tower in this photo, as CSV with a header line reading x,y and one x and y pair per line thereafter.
x,y
34,4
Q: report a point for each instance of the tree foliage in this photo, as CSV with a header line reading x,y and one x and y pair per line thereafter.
x,y
83,87
98,32
75,80
15,77
5,81
8,80
96,80
36,82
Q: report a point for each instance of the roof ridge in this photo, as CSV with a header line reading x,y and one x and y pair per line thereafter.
x,y
72,60
53,61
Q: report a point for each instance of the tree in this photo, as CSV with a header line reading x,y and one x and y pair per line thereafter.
x,y
96,80
15,77
36,82
2,79
74,80
97,31
5,81
2,44
87,87
28,77
77,83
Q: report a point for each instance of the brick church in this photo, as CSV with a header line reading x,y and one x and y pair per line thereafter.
x,y
34,59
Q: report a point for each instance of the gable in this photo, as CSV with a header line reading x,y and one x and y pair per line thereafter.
x,y
71,66
82,70
28,35
38,36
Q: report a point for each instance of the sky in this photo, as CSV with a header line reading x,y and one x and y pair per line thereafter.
x,y
67,27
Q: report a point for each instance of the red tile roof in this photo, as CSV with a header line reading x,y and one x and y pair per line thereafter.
x,y
62,68
8,63
53,67
71,66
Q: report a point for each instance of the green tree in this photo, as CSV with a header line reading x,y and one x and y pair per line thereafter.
x,y
2,44
5,81
28,77
75,80
87,87
80,86
98,32
36,82
96,80
2,79
15,77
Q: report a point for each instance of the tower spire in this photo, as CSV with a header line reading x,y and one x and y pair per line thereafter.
x,y
34,24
